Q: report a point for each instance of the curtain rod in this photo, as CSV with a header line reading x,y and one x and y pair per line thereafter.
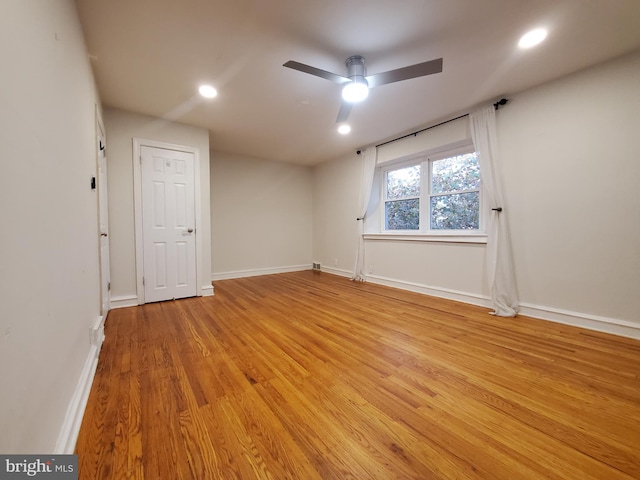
x,y
497,105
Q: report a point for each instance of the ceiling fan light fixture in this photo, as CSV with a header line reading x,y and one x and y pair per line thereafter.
x,y
356,90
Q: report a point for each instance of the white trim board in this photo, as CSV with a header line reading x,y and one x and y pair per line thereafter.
x,y
582,320
258,272
124,301
70,429
613,326
207,290
449,294
336,271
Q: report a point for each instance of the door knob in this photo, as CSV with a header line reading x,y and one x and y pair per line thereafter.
x,y
103,234
189,230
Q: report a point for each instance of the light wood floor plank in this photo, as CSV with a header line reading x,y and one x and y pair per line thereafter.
x,y
311,376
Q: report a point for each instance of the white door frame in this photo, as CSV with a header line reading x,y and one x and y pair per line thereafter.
x,y
103,212
137,199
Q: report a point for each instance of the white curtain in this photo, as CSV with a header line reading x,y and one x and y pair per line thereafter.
x,y
369,157
501,276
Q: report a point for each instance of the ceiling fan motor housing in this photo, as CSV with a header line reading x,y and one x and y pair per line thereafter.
x,y
356,68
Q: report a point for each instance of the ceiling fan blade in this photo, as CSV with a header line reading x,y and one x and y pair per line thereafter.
x,y
345,110
405,73
339,79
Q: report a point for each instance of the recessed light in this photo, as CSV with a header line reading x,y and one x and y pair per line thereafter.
x,y
207,91
344,129
532,38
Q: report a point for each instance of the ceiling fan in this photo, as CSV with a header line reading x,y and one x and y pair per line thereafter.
x,y
356,83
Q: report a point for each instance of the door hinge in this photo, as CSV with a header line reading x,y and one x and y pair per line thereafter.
x,y
140,158
109,286
143,281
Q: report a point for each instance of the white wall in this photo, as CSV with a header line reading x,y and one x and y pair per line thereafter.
x,y
49,271
570,172
261,216
121,127
336,189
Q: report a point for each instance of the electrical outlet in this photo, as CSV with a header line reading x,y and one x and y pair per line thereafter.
x,y
335,262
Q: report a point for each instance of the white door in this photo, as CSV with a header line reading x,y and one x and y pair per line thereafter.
x,y
103,221
168,222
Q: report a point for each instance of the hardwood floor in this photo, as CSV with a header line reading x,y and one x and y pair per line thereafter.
x,y
311,376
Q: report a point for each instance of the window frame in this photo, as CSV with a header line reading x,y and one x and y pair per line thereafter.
x,y
410,197
425,232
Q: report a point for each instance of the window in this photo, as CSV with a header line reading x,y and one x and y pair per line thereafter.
x,y
426,195
402,201
454,193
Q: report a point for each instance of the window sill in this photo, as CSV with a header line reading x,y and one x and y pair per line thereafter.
x,y
480,238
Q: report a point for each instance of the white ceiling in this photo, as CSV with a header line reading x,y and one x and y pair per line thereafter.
x,y
149,56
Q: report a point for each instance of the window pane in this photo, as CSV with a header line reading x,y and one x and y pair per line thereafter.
x,y
461,172
404,182
460,211
402,215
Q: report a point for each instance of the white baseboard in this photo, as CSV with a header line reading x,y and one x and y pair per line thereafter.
x,y
337,271
124,301
68,435
258,272
614,326
207,290
456,295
